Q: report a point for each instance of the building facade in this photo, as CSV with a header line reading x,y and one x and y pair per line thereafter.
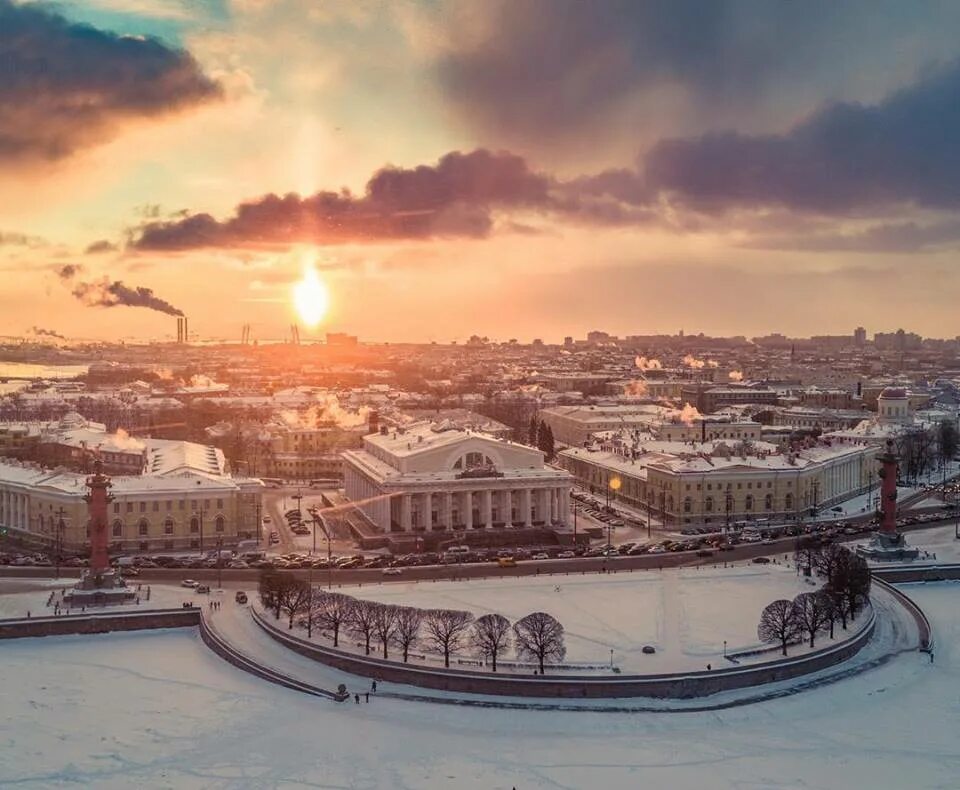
x,y
434,477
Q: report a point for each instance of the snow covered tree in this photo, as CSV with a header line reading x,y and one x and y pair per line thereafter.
x,y
490,636
407,631
539,636
805,551
948,441
778,623
446,629
294,597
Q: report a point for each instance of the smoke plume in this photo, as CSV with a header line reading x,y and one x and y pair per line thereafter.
x,y
735,375
648,364
104,293
698,364
39,331
636,389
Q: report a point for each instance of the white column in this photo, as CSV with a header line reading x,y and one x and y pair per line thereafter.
x,y
564,506
405,512
506,504
543,505
486,513
427,505
526,506
468,509
448,510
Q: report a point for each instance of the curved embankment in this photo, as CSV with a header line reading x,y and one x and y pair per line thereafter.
x,y
924,627
678,686
98,622
230,654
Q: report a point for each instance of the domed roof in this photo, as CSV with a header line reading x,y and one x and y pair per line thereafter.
x,y
893,392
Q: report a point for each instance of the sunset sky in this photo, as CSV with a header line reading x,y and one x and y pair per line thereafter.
x,y
525,168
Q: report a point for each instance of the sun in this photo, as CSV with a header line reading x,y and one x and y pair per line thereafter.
x,y
311,297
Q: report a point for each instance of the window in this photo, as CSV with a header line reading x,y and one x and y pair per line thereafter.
x,y
116,507
129,507
193,504
168,527
687,504
768,502
156,506
194,524
219,504
739,486
183,504
788,502
688,486
709,486
218,524
143,507
748,504
708,504
143,527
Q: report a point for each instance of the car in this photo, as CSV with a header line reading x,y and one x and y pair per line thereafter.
x,y
129,572
189,583
761,560
566,555
766,541
202,588
506,562
240,597
391,571
541,556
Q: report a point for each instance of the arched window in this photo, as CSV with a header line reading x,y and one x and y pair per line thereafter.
x,y
708,504
748,503
118,529
40,523
168,527
143,527
687,505
218,524
670,502
194,524
768,502
788,502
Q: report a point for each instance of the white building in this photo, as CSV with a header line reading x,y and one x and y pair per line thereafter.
x,y
436,477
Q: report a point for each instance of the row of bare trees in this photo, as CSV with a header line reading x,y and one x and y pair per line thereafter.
x,y
538,636
845,592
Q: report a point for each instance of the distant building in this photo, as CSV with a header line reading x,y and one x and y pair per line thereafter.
x,y
431,477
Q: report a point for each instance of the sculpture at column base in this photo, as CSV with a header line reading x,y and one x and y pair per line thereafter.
x,y
102,589
887,547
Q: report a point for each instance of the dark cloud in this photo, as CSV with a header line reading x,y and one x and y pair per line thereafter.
x,y
885,237
535,71
21,240
104,293
846,157
69,270
100,246
454,198
66,86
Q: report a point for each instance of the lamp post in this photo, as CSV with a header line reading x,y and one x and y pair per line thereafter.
x,y
614,486
724,648
58,544
611,658
220,563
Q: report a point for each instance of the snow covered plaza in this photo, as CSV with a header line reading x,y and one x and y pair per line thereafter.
x,y
171,713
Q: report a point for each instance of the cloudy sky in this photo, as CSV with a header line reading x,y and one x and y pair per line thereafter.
x,y
514,168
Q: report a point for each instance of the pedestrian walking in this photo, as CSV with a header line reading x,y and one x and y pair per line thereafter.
x,y
931,656
367,695
373,686
356,698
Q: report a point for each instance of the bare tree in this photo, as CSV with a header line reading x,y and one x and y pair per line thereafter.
x,y
269,589
829,559
490,636
362,618
805,551
294,597
331,612
810,614
407,632
830,611
385,624
778,623
539,636
446,629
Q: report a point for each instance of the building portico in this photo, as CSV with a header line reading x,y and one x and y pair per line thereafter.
x,y
429,478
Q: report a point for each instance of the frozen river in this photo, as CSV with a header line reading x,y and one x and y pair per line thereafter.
x,y
160,710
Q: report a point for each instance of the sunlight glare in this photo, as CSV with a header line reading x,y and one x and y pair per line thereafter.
x,y
311,297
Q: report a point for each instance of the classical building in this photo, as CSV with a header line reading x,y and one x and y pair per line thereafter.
x,y
429,476
183,497
717,481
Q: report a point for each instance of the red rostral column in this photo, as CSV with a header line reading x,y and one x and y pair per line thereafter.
x,y
97,501
888,489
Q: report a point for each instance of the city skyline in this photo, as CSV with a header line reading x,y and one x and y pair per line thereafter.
x,y
562,168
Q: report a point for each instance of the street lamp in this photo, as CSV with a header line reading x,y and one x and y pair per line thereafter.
x,y
611,658
614,486
220,563
58,545
724,648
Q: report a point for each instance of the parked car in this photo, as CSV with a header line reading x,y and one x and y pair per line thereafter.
x,y
392,572
189,583
541,556
761,560
566,555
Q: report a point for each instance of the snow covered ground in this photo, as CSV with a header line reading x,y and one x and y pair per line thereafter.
x,y
686,614
937,545
158,710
